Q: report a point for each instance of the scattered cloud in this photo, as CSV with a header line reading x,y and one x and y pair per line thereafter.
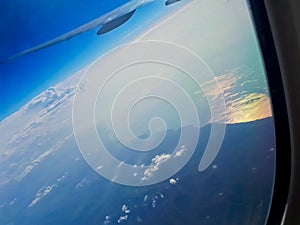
x,y
249,107
139,219
107,220
180,152
44,191
51,99
82,183
122,218
121,164
60,179
35,162
154,203
172,181
242,104
214,166
43,156
125,209
12,202
100,167
156,162
26,171
145,198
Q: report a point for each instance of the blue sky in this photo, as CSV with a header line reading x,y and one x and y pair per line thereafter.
x,y
26,24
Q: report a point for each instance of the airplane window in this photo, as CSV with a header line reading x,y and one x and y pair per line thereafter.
x,y
134,112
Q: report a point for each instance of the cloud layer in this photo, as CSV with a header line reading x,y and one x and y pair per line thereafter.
x,y
242,104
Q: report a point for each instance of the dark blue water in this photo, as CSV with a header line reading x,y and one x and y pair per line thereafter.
x,y
236,189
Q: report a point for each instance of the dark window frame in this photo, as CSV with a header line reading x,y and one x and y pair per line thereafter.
x,y
280,113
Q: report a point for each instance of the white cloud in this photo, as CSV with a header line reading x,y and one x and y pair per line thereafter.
x,y
82,183
159,159
145,198
242,104
44,191
139,219
172,181
43,156
125,209
121,164
39,128
39,159
154,203
12,202
156,162
122,218
107,220
60,179
50,99
180,152
100,167
27,170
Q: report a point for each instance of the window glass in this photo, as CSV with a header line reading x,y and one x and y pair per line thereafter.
x,y
133,112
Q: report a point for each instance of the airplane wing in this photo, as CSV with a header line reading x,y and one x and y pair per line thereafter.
x,y
110,21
